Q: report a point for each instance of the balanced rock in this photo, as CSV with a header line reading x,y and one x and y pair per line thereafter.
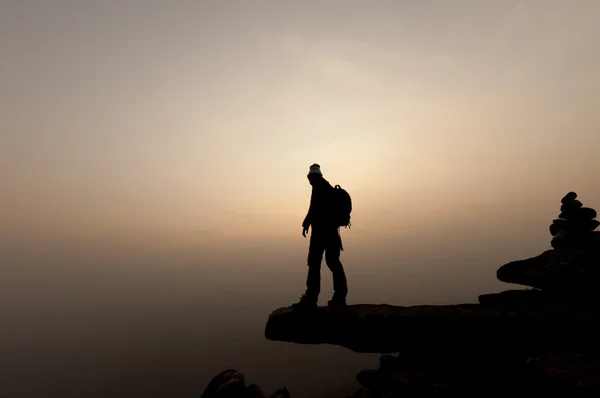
x,y
571,205
573,229
579,214
569,197
568,274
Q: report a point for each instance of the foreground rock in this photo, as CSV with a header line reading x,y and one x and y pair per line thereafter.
x,y
565,374
557,374
387,329
232,384
566,371
541,341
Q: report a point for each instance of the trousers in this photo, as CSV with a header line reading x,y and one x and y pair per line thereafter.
x,y
328,241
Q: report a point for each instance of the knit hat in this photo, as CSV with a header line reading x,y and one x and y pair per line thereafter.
x,y
315,169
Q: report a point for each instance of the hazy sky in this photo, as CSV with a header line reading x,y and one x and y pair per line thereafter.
x,y
178,120
185,129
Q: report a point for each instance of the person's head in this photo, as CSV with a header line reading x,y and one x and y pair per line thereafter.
x,y
314,173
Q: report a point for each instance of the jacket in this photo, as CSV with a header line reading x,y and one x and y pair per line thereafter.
x,y
319,213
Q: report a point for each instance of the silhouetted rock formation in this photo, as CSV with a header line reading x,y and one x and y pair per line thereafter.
x,y
232,384
572,269
556,374
564,273
430,374
541,341
575,225
446,328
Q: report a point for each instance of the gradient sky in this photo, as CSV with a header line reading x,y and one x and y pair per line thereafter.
x,y
178,120
153,160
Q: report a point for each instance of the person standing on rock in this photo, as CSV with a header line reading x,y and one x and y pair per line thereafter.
x,y
325,238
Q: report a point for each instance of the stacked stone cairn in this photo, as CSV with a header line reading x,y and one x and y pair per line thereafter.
x,y
575,225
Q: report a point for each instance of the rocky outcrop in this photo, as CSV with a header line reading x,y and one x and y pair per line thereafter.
x,y
387,329
232,384
529,297
437,374
539,341
557,374
572,269
567,273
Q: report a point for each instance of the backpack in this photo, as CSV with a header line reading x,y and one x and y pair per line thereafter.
x,y
342,206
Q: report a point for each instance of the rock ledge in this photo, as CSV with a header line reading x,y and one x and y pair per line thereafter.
x,y
382,328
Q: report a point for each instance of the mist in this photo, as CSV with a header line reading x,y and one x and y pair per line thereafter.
x,y
153,162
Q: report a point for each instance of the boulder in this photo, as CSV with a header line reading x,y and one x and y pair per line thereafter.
x,y
571,205
562,272
569,197
228,384
232,384
578,214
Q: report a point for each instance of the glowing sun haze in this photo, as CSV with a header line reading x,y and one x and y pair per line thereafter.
x,y
174,121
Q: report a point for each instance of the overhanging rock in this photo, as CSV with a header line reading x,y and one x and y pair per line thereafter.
x,y
372,328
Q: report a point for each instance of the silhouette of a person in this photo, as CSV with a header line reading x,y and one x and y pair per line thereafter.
x,y
324,238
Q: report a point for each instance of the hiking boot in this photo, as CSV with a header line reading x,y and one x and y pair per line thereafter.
x,y
305,303
337,302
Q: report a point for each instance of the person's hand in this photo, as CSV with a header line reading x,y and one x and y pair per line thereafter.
x,y
304,231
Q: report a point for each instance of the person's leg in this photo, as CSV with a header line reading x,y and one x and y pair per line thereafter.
x,y
313,279
332,258
314,260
